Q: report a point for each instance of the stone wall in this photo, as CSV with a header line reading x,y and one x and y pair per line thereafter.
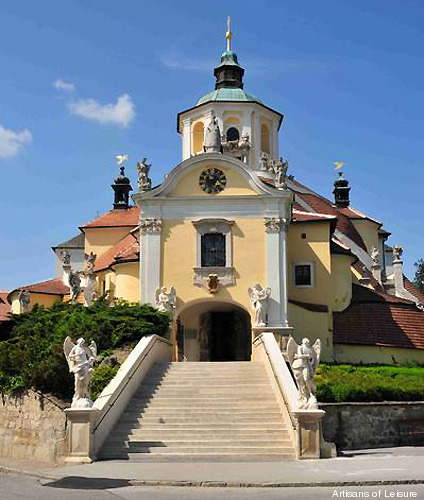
x,y
373,425
32,427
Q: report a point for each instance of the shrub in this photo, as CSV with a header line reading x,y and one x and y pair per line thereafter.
x,y
342,383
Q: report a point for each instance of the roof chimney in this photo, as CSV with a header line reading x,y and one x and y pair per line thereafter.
x,y
341,192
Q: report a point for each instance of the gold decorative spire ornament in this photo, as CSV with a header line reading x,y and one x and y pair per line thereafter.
x,y
121,159
338,165
228,35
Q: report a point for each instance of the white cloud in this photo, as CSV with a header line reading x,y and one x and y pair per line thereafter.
x,y
122,113
11,142
60,84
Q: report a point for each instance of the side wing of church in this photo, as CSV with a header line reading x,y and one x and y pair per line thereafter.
x,y
235,246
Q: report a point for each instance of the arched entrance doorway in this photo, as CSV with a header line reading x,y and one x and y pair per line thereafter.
x,y
214,331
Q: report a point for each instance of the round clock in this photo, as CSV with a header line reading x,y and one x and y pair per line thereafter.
x,y
212,180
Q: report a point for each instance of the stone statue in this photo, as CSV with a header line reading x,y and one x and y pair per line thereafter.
x,y
304,360
212,282
80,358
90,259
279,168
264,159
374,255
75,286
212,137
65,257
90,278
397,252
143,169
166,302
259,297
239,148
24,300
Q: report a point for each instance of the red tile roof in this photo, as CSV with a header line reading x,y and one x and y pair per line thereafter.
x,y
413,290
5,307
54,286
116,218
379,319
344,225
126,250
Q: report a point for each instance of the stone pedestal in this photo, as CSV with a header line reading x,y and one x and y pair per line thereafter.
x,y
281,334
376,272
309,432
80,434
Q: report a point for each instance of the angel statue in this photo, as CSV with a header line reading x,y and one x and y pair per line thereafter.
x,y
143,169
80,358
166,302
304,360
259,297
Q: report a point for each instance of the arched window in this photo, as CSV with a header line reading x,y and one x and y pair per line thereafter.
x,y
265,139
198,138
233,134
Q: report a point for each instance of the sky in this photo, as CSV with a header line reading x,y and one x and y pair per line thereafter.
x,y
82,81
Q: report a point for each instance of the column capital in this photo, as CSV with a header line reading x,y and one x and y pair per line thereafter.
x,y
275,224
150,226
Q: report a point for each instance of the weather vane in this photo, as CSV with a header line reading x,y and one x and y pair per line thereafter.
x,y
121,159
228,35
338,165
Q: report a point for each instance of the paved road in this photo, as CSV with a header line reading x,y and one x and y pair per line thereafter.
x,y
14,487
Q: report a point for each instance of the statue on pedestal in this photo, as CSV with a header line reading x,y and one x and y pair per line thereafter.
x,y
24,300
90,278
279,168
166,302
304,360
397,252
80,358
143,169
212,142
74,285
259,297
374,255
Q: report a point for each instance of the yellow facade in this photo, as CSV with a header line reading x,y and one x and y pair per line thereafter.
x,y
100,240
188,185
179,255
314,248
127,281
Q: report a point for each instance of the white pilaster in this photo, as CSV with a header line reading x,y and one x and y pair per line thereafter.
x,y
276,262
186,139
150,259
257,143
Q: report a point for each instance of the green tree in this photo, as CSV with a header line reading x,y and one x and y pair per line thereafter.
x,y
419,275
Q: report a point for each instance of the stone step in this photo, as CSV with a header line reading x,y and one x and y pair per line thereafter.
x,y
188,411
201,381
198,457
135,448
196,420
199,403
143,424
132,445
185,434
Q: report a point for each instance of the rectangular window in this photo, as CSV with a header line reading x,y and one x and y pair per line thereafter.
x,y
303,275
213,250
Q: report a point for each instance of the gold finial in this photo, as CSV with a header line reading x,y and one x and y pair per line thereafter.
x,y
228,35
338,165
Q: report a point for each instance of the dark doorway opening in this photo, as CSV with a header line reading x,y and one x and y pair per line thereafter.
x,y
229,337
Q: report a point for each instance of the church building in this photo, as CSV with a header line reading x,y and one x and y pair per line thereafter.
x,y
234,246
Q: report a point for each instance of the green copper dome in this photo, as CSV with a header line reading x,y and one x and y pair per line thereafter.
x,y
228,94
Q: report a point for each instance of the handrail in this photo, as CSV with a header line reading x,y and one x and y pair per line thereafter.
x,y
282,374
109,405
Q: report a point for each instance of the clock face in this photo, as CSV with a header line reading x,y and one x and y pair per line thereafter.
x,y
212,180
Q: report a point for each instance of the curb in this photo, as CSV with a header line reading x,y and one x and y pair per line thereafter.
x,y
226,484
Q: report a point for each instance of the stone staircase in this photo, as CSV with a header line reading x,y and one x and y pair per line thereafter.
x,y
201,411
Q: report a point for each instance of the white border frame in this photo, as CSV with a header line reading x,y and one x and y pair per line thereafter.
x,y
311,264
